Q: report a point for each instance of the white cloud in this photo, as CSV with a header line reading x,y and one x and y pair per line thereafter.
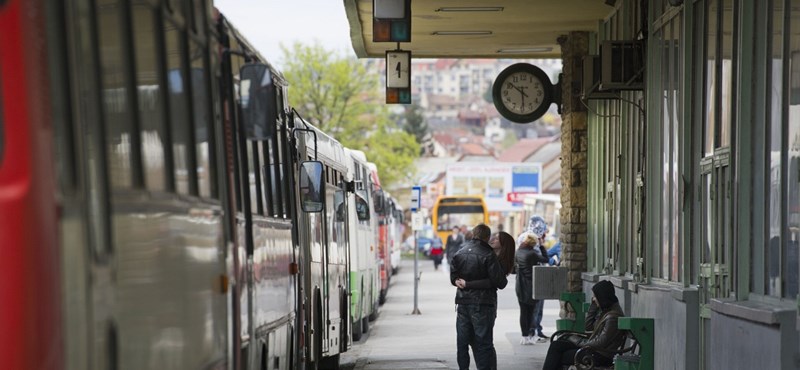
x,y
269,23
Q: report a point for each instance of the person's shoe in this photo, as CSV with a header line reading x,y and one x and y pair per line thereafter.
x,y
541,335
541,340
526,341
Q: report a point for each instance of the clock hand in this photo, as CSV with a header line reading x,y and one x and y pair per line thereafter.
x,y
519,89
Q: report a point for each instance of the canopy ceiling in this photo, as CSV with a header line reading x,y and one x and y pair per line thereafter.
x,y
511,28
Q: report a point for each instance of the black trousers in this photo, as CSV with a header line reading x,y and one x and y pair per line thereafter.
x,y
527,319
562,352
559,354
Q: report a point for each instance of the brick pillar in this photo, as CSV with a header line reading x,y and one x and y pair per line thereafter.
x,y
574,164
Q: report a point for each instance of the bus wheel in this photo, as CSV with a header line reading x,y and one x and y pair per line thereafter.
x,y
330,363
365,324
374,315
357,322
356,329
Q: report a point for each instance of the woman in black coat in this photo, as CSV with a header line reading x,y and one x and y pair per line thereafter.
x,y
529,254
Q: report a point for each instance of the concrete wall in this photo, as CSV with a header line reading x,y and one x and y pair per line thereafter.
x,y
675,314
765,334
732,336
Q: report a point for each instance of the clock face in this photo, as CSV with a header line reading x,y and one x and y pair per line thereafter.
x,y
522,93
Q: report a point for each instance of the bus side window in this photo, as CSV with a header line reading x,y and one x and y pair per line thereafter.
x,y
120,141
152,123
182,150
203,130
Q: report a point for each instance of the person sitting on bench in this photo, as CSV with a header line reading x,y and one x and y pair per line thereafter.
x,y
605,338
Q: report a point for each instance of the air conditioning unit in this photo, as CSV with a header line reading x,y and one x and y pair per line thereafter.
x,y
591,80
622,65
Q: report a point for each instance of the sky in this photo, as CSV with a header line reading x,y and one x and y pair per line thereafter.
x,y
269,23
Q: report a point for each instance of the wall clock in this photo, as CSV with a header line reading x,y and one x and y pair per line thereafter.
x,y
522,93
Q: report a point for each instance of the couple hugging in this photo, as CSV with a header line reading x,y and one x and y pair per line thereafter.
x,y
480,268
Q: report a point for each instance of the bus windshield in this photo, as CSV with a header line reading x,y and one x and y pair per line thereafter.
x,y
452,211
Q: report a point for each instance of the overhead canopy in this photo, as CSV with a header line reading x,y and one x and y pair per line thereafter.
x,y
483,28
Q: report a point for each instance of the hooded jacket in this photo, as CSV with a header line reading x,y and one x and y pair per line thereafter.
x,y
602,320
476,261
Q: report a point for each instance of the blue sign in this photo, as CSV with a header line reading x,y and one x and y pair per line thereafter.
x,y
525,179
416,194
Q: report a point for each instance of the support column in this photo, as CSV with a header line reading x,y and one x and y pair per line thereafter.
x,y
574,159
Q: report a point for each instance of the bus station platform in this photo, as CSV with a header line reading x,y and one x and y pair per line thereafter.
x,y
400,340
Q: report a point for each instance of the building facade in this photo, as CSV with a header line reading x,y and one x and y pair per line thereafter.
x,y
692,186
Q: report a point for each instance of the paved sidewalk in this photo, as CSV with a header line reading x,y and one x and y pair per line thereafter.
x,y
399,340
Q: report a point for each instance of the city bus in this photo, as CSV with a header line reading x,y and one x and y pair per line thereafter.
x,y
458,210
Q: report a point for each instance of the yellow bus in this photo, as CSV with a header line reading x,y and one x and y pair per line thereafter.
x,y
458,210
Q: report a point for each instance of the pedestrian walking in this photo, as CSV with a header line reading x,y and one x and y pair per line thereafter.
x,y
477,308
437,253
454,242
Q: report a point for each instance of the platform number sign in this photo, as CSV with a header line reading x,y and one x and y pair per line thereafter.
x,y
398,77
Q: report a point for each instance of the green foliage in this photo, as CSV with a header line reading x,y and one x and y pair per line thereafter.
x,y
414,122
337,94
393,151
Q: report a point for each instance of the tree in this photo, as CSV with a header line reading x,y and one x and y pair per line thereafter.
x,y
414,122
487,95
338,95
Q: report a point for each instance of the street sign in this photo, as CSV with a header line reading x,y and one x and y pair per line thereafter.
x,y
517,197
416,194
417,221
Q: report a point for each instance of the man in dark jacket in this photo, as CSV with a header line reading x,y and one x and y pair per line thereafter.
x,y
454,242
477,308
601,321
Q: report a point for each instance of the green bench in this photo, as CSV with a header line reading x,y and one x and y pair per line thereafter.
x,y
643,332
576,302
636,353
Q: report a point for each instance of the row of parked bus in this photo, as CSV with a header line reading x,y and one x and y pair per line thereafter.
x,y
163,207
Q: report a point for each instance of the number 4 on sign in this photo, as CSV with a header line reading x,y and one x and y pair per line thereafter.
x,y
398,69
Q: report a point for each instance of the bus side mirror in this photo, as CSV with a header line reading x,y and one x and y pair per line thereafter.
x,y
378,200
311,186
258,102
362,208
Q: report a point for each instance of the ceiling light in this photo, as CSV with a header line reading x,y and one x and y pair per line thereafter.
x,y
541,49
471,9
461,33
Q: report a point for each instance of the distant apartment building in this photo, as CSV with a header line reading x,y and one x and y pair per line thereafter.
x,y
462,78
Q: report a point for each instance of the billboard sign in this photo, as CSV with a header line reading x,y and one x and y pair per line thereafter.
x,y
503,185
